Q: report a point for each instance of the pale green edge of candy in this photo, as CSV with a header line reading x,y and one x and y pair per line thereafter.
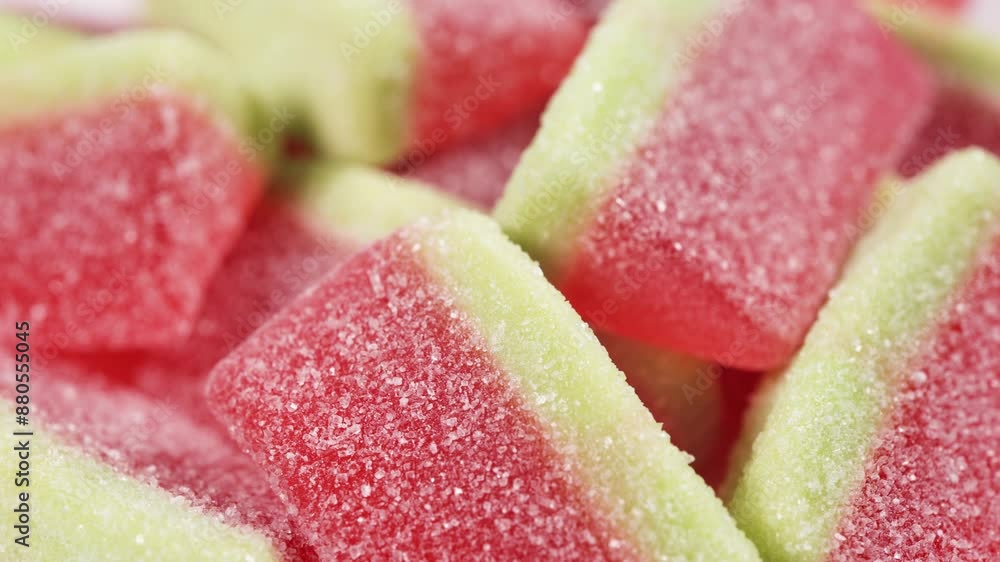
x,y
19,40
344,68
809,457
82,509
364,203
642,482
954,50
633,60
123,68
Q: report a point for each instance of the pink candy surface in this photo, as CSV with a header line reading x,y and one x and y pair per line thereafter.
x,y
485,63
476,170
163,443
727,228
388,426
932,484
114,218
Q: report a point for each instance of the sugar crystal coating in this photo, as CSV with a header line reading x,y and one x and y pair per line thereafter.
x,y
931,489
722,234
387,386
485,63
386,426
115,216
829,410
165,444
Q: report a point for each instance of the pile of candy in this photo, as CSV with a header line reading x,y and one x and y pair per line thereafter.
x,y
500,280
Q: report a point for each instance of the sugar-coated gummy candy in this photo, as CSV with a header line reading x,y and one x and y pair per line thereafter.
x,y
371,80
125,181
696,176
879,441
435,397
130,478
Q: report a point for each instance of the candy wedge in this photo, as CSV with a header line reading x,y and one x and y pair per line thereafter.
x,y
697,170
293,239
966,110
127,175
128,478
435,397
880,439
372,79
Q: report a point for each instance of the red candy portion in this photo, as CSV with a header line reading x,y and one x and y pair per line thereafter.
x,y
476,170
932,484
279,255
724,233
390,428
114,217
961,118
163,443
486,62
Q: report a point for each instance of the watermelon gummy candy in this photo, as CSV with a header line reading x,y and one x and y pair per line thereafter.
x,y
158,436
879,441
695,176
292,239
434,397
125,182
966,110
130,478
372,79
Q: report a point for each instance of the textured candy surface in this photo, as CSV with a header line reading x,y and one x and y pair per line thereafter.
x,y
475,170
115,518
161,443
485,63
835,403
932,482
121,210
732,219
391,418
394,418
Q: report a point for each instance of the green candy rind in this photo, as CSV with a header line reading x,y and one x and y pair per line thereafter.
x,y
640,480
363,203
16,45
81,509
122,69
955,51
633,60
342,67
827,409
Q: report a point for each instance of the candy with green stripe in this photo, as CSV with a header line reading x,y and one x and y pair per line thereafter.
x,y
798,490
372,79
82,509
673,188
131,162
437,397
